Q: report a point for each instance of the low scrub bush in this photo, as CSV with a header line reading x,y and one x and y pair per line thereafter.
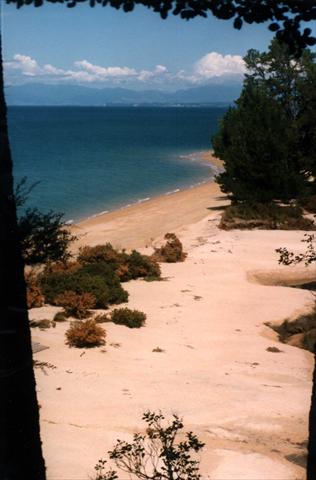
x,y
115,291
102,318
269,216
76,304
141,266
128,317
85,334
100,253
125,266
171,252
34,295
60,317
93,279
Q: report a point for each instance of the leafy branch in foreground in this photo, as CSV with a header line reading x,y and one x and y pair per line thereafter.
x,y
156,455
309,256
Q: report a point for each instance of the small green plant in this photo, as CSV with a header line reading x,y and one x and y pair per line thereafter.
x,y
128,317
85,334
171,252
157,455
76,304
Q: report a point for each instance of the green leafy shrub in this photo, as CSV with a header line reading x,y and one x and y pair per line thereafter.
x,y
125,266
171,252
141,266
100,253
85,334
158,454
116,293
97,279
76,304
128,317
267,216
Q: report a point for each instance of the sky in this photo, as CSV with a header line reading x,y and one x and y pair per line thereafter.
x,y
103,47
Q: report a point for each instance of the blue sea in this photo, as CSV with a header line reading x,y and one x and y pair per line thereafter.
x,y
92,160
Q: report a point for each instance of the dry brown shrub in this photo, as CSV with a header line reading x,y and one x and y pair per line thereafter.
x,y
76,304
34,296
57,267
102,318
85,334
171,252
98,253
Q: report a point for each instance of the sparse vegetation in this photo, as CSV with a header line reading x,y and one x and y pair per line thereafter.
x,y
85,334
128,317
159,454
76,304
309,256
268,216
171,252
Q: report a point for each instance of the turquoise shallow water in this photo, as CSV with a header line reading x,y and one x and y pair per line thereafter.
x,y
91,160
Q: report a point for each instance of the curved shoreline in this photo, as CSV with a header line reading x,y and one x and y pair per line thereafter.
x,y
137,225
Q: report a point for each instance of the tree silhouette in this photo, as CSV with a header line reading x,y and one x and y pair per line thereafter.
x,y
20,445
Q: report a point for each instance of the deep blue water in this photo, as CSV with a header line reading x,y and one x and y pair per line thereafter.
x,y
89,160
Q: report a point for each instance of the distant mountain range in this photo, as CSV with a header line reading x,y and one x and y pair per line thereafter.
x,y
54,95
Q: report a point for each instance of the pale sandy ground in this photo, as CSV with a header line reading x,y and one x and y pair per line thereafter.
x,y
248,405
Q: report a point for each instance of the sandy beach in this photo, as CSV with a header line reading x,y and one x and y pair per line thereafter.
x,y
248,404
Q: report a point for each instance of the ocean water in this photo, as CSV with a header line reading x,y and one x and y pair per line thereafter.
x,y
91,160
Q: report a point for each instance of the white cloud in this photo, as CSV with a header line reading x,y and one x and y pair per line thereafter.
x,y
212,66
27,65
216,65
103,73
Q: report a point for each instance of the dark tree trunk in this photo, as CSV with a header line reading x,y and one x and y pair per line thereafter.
x,y
20,446
311,459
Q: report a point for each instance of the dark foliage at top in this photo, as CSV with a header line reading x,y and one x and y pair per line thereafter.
x,y
157,455
267,140
285,17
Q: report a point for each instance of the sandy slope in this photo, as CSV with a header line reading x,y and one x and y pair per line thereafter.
x,y
248,405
